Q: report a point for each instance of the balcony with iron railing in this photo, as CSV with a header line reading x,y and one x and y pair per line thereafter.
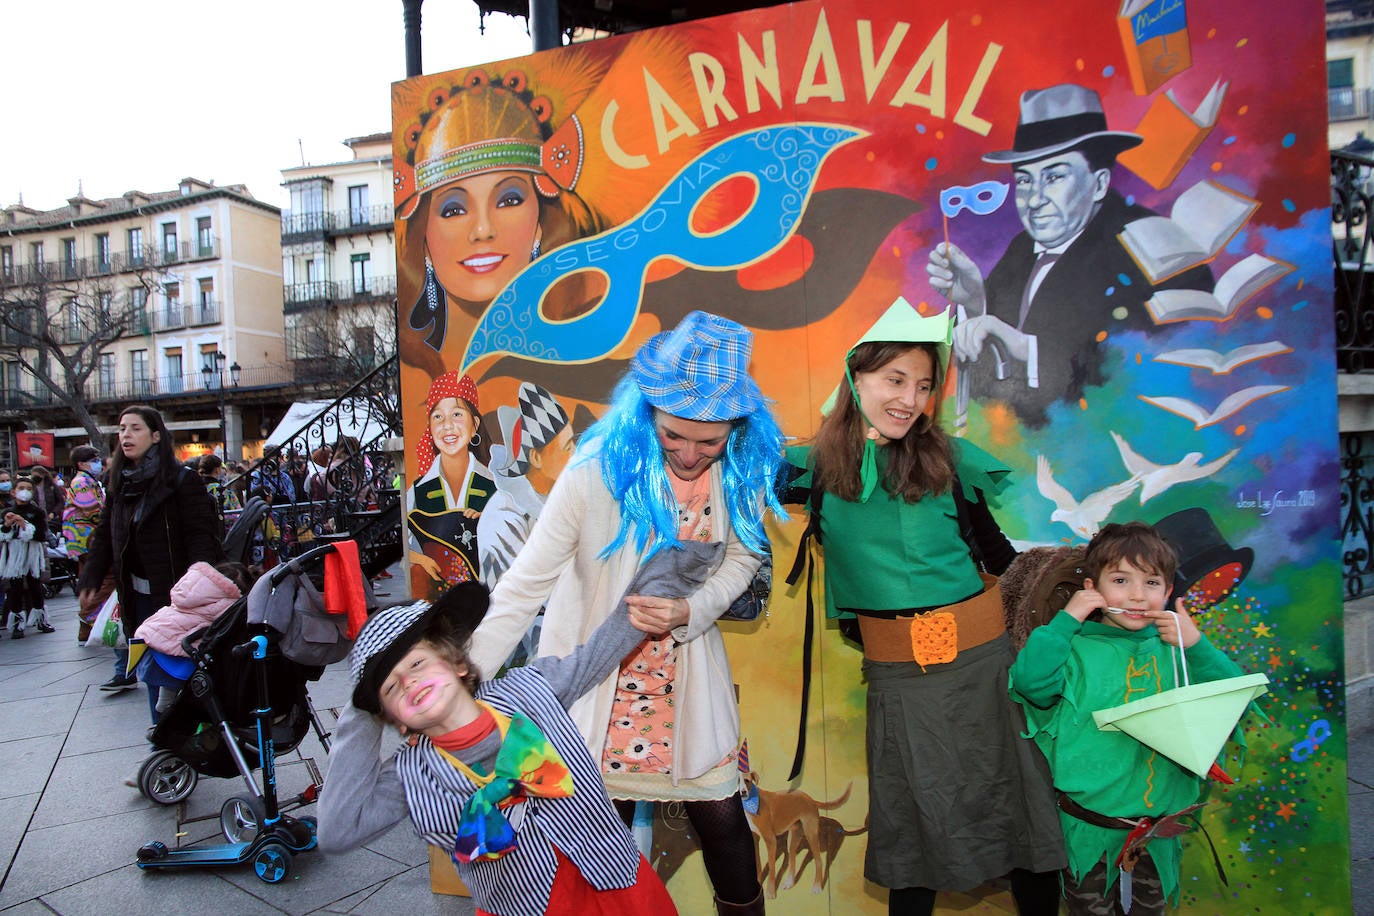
x,y
298,297
361,219
370,289
1348,103
300,227
169,317
206,311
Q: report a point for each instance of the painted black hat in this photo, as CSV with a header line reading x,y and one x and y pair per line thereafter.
x,y
1209,569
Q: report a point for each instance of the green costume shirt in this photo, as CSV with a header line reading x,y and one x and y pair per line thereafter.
x,y
1066,671
888,554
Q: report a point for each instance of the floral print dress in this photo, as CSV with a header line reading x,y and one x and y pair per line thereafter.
x,y
640,736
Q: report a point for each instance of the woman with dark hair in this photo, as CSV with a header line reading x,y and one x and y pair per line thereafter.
x,y
911,555
158,521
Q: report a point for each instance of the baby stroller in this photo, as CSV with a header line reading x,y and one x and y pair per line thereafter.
x,y
244,693
61,567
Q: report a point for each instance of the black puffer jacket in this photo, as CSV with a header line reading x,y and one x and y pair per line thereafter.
x,y
178,526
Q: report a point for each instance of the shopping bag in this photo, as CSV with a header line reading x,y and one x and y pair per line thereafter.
x,y
107,630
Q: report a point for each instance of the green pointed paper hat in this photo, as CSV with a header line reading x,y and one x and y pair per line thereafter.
x,y
1189,725
901,323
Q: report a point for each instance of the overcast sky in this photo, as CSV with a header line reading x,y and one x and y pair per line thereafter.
x,y
138,95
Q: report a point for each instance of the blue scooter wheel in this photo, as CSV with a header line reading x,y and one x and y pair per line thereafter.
x,y
151,852
272,862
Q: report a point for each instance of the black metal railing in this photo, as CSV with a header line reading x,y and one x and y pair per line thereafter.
x,y
1346,103
1357,514
311,224
361,219
297,296
1352,191
349,496
1352,184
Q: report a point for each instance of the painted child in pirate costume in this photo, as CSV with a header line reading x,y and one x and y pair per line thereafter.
x,y
452,490
1107,781
977,804
499,776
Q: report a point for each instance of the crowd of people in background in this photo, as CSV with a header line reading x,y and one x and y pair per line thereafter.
x,y
46,513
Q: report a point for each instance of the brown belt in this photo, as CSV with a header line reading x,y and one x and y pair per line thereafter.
x,y
976,621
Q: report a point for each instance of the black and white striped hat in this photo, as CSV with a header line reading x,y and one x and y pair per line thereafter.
x,y
391,632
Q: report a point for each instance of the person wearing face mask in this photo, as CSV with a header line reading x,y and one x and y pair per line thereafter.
x,y
23,533
48,496
158,521
6,489
80,515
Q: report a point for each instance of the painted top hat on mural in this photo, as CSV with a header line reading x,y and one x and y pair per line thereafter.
x,y
1062,118
1209,568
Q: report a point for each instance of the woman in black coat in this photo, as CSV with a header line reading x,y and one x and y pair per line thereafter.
x,y
158,520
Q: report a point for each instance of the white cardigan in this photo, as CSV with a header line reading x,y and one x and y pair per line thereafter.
x,y
559,569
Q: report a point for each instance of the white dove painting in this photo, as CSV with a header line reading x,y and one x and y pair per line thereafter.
x,y
1086,517
1156,478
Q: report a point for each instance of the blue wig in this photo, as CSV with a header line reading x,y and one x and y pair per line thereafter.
x,y
633,469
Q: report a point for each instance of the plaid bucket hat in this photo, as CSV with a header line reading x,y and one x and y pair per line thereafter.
x,y
392,632
699,370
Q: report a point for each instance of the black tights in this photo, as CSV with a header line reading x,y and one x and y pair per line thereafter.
x,y
1036,894
727,846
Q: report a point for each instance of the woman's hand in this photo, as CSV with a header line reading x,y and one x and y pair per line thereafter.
x,y
657,615
428,564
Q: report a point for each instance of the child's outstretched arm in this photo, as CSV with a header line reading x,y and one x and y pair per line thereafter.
x,y
670,573
362,797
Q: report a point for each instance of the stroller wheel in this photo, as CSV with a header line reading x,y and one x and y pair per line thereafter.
x,y
166,779
272,862
240,818
52,589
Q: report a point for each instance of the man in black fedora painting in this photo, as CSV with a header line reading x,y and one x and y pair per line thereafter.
x,y
1035,326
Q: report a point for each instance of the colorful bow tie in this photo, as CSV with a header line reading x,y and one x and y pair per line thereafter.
x,y
526,765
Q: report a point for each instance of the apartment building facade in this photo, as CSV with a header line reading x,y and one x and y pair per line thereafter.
x,y
194,273
338,253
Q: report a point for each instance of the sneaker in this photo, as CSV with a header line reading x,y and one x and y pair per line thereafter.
x,y
46,628
118,684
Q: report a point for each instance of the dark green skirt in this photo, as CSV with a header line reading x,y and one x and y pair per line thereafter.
x,y
955,795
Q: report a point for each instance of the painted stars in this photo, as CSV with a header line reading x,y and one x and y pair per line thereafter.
x,y
1286,811
1262,630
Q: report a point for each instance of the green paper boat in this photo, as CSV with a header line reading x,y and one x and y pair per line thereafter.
x,y
1188,724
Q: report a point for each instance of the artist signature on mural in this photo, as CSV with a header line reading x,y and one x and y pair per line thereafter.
x,y
1265,504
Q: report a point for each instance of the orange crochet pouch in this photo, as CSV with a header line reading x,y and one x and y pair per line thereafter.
x,y
934,638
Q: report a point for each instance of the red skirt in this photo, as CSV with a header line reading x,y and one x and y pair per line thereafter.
x,y
573,896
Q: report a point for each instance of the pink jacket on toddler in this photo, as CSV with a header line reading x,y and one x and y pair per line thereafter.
x,y
198,598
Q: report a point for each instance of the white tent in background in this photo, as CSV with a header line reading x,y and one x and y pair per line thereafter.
x,y
354,417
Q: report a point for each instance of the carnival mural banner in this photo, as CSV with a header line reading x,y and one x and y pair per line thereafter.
x,y
1124,206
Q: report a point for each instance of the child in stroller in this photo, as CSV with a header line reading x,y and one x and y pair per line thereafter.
x,y
246,695
198,600
200,728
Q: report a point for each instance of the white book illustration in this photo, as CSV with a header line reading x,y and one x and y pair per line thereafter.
x,y
1222,363
1230,404
1245,278
1202,220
